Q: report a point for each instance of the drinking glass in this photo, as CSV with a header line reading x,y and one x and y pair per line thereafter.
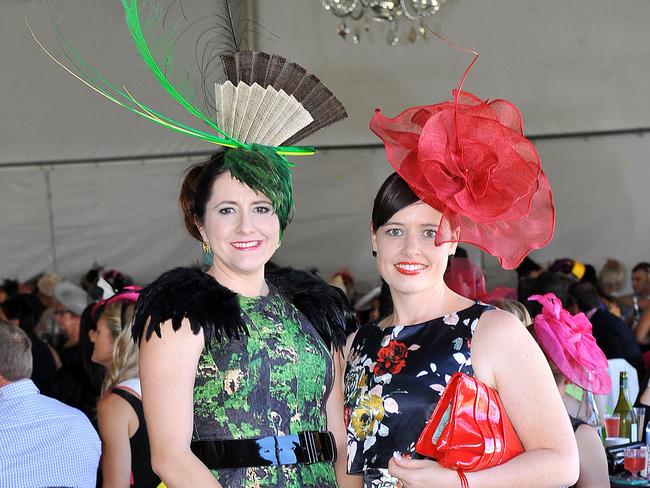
x,y
635,460
611,424
639,414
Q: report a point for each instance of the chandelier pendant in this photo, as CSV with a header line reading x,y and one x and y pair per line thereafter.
x,y
391,12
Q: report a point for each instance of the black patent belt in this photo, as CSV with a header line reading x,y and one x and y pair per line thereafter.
x,y
303,448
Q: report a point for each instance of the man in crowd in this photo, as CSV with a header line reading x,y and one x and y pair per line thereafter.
x,y
71,301
638,301
612,335
47,327
42,441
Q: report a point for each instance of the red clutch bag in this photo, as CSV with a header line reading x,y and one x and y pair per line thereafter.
x,y
469,429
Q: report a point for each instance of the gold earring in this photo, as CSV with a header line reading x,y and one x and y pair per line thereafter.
x,y
206,247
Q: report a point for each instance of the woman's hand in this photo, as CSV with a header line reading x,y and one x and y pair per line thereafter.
x,y
421,473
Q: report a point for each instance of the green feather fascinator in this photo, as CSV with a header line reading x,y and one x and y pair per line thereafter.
x,y
256,105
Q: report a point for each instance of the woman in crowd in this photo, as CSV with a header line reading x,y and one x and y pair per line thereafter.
x,y
464,173
126,457
556,328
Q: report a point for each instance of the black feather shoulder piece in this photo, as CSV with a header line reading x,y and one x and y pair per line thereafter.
x,y
214,309
193,294
325,306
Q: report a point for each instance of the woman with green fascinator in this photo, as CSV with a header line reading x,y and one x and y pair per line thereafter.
x,y
240,367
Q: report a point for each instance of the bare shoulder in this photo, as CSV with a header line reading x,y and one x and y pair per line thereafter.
x,y
112,411
587,436
498,324
500,341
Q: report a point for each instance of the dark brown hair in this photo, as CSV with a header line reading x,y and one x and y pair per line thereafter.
x,y
393,196
196,190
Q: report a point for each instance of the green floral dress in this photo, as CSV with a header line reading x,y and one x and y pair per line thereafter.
x,y
275,381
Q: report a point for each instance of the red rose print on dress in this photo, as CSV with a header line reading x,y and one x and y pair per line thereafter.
x,y
391,358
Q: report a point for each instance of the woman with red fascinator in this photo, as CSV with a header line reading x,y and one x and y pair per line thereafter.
x,y
464,173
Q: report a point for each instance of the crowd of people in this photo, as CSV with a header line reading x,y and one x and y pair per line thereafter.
x,y
243,374
76,348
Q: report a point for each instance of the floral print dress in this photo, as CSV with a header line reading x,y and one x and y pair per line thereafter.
x,y
393,381
273,382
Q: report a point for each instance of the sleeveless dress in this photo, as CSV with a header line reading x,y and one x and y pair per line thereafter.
x,y
142,474
273,381
393,381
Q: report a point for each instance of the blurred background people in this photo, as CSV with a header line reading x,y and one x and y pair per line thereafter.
x,y
78,383
25,310
613,335
126,458
71,301
48,327
639,300
42,441
527,273
555,331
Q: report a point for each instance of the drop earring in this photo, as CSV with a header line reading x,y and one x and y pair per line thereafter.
x,y
207,253
374,253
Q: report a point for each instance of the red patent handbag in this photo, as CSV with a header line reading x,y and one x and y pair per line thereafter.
x,y
469,429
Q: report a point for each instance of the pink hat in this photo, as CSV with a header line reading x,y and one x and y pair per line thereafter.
x,y
467,279
568,343
127,294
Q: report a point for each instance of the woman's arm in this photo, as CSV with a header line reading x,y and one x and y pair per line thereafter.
x,y
113,415
505,356
167,371
643,328
593,461
336,425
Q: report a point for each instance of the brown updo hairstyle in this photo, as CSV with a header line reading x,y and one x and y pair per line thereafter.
x,y
196,190
393,196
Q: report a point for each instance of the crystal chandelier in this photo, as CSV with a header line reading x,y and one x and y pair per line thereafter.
x,y
391,12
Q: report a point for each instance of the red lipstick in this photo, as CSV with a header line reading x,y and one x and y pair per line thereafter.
x,y
246,245
409,268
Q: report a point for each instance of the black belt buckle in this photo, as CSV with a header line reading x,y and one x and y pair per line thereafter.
x,y
317,447
308,441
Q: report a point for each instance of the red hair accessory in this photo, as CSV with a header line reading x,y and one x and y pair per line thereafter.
x,y
469,159
567,341
467,279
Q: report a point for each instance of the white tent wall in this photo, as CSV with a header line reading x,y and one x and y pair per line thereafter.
x,y
119,214
570,66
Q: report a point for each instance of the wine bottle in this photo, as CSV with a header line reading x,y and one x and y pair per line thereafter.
x,y
627,423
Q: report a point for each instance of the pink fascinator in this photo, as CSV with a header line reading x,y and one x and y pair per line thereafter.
x,y
467,279
567,341
126,294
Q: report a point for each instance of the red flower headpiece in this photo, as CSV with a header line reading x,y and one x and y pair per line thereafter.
x,y
467,279
568,342
470,160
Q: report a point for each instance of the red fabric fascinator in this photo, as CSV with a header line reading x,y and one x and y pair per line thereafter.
x,y
567,341
467,279
469,159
